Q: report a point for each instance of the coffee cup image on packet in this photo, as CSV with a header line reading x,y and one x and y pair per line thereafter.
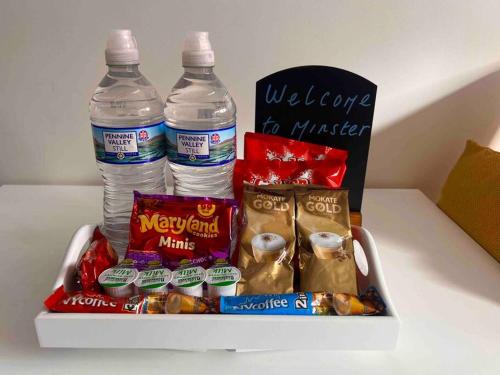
x,y
268,247
326,245
326,253
267,241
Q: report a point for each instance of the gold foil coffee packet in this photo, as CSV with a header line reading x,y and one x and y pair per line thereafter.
x,y
326,253
267,242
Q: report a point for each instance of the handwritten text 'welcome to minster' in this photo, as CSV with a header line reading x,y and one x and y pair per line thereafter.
x,y
313,99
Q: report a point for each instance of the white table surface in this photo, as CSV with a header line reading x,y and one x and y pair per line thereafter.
x,y
445,287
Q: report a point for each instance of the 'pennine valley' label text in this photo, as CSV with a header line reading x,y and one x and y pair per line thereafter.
x,y
134,145
201,148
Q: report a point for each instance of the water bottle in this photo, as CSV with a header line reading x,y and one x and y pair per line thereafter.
x,y
128,129
201,125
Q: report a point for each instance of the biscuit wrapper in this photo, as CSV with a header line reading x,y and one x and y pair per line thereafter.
x,y
267,242
326,252
200,229
177,303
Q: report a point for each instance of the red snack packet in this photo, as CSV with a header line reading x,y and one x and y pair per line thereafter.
x,y
260,146
328,173
97,235
194,228
91,302
98,257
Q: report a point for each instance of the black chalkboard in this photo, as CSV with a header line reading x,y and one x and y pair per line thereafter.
x,y
323,105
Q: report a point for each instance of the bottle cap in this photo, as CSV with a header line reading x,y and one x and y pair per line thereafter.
x,y
121,48
197,50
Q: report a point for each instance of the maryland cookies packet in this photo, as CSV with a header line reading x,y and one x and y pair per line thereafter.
x,y
198,229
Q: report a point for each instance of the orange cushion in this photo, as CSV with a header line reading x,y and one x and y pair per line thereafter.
x,y
471,196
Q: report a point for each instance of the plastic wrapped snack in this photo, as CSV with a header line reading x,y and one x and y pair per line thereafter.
x,y
329,173
98,257
198,229
178,303
260,146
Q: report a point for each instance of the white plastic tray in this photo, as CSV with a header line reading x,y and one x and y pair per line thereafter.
x,y
207,332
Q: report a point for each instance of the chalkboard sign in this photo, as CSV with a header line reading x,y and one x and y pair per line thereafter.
x,y
323,105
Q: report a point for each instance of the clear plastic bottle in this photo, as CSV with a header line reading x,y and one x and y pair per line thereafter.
x,y
201,125
128,129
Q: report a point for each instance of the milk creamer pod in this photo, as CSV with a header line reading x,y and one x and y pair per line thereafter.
x,y
222,280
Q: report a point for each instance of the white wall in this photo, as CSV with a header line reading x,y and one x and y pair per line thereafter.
x,y
436,64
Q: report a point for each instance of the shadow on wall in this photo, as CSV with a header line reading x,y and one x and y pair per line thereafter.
x,y
420,150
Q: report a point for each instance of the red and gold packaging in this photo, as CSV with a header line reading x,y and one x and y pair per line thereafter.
x,y
93,302
98,257
271,147
270,159
329,173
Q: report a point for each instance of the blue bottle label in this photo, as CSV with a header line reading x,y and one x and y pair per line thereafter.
x,y
137,145
201,148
